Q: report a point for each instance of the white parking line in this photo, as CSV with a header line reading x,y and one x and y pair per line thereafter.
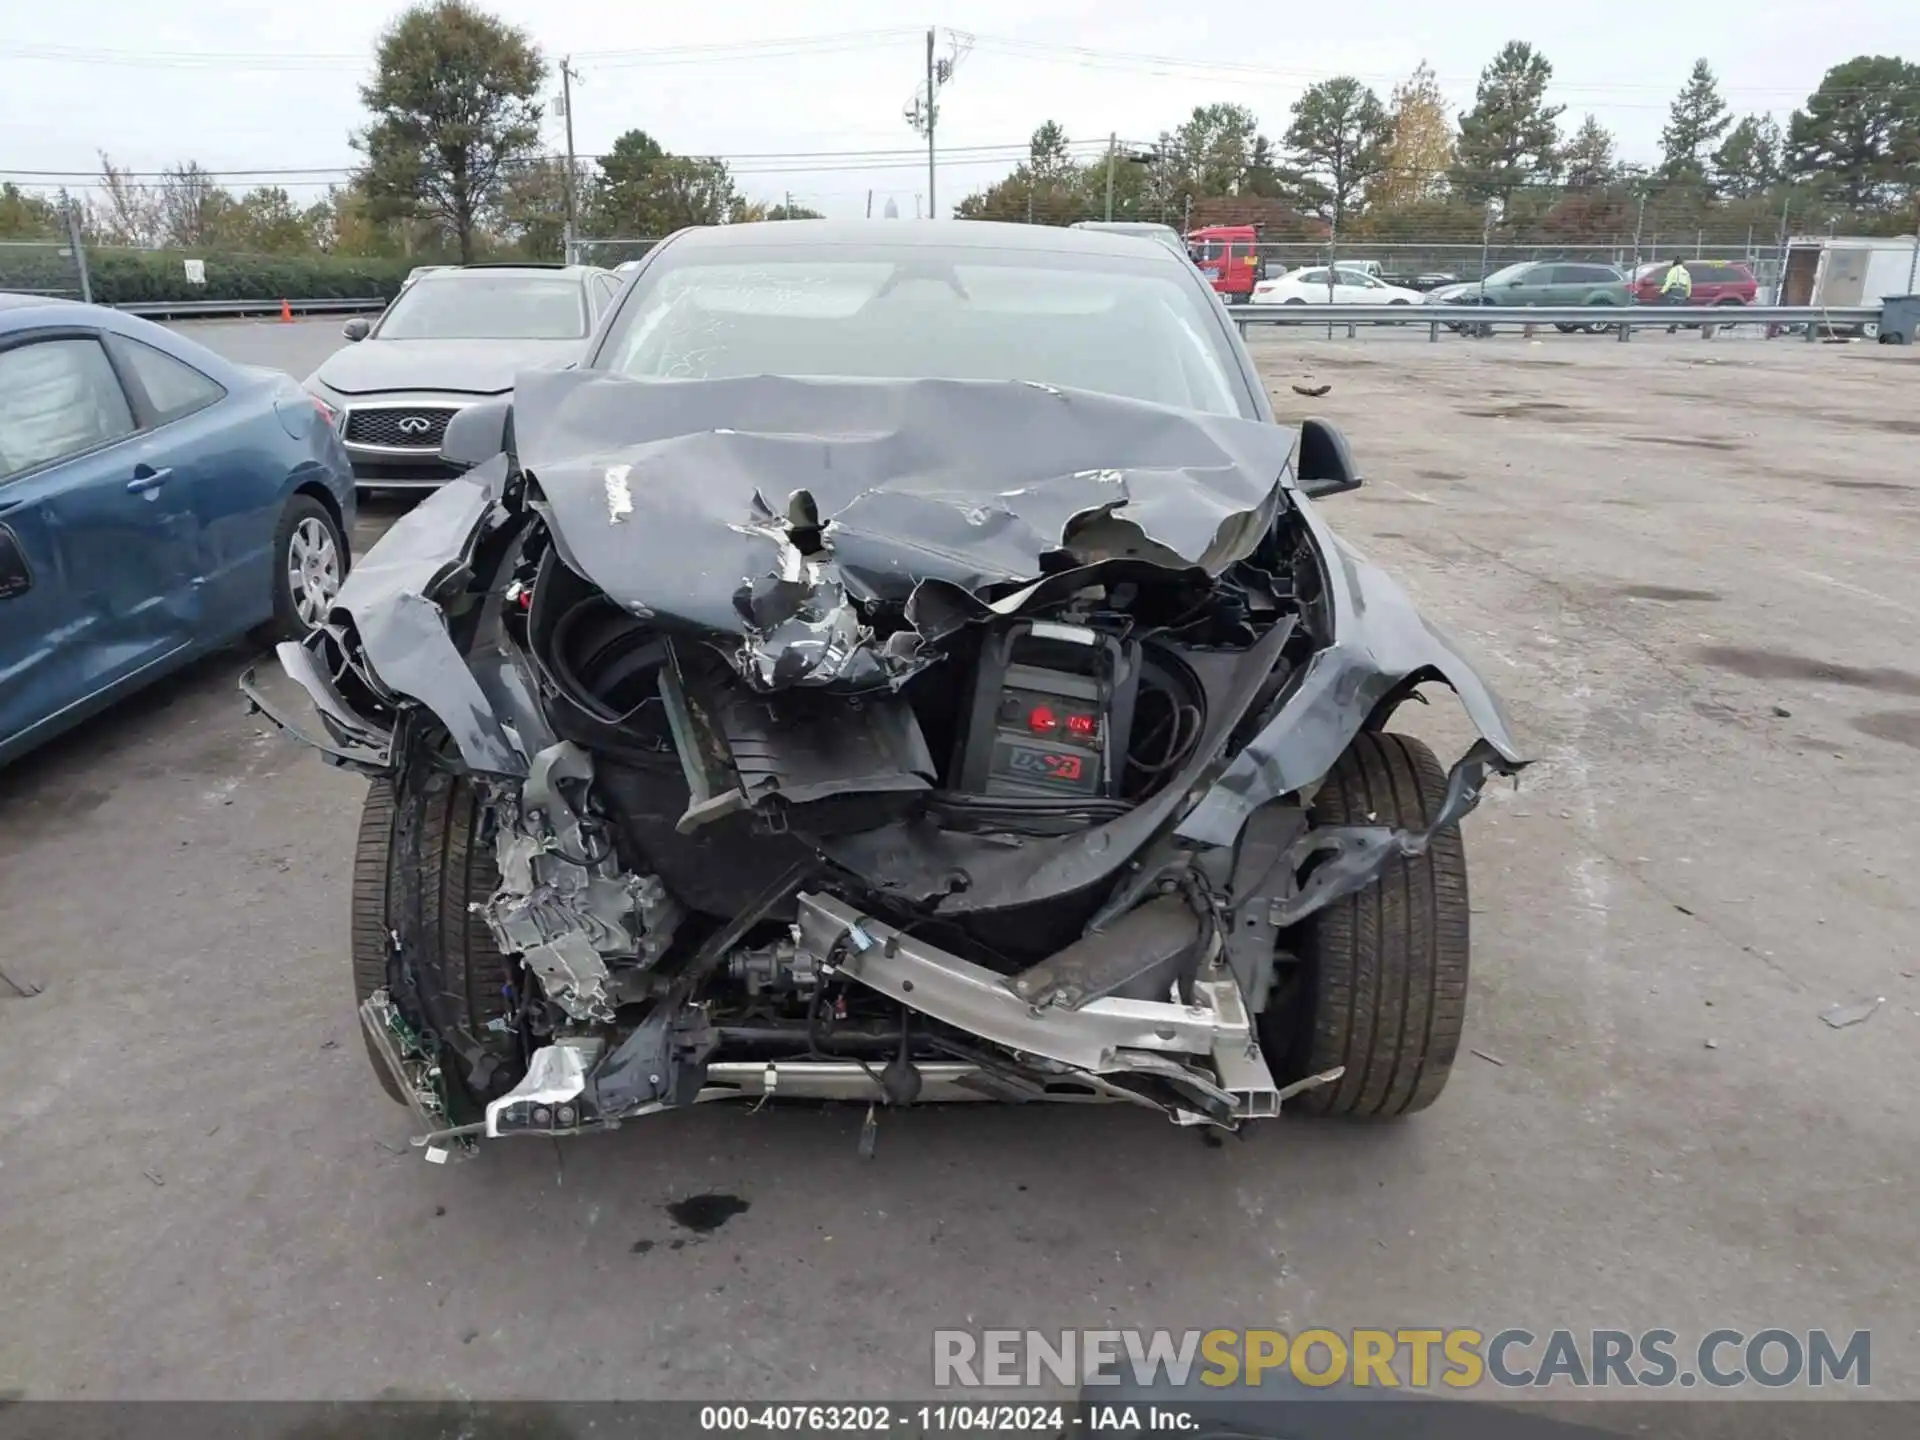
x,y
1852,589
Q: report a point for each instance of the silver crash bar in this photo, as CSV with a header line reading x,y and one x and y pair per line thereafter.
x,y
1107,1036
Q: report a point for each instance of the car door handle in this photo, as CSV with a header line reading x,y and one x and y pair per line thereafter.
x,y
152,480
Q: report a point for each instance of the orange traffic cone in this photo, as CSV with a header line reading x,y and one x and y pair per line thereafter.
x,y
286,313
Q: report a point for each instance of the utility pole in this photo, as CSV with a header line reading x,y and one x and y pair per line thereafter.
x,y
567,76
787,212
1113,143
932,115
923,110
869,204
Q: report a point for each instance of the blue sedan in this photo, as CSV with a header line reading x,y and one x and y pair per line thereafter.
x,y
156,503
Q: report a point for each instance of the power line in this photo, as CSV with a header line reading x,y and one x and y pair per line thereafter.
x,y
782,47
767,48
756,161
92,183
1134,60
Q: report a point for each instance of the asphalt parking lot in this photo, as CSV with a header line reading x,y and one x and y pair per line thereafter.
x,y
1688,567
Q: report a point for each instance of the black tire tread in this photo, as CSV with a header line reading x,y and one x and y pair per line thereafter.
x,y
370,907
1387,966
454,945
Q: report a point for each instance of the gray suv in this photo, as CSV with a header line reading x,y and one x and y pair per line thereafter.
x,y
454,335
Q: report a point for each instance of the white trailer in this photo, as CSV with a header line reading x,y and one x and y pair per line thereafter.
x,y
1850,270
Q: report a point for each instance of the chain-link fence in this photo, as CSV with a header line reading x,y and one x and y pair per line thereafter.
x,y
1431,259
54,268
1403,259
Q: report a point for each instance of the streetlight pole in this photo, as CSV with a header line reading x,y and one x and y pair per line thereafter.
x,y
1113,142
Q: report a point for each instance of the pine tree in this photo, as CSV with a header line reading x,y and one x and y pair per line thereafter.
x,y
1589,155
1697,120
1748,160
1338,139
1510,138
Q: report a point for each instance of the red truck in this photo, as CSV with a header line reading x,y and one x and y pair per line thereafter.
x,y
1229,256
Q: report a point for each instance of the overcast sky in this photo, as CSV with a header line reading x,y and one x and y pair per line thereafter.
x,y
243,86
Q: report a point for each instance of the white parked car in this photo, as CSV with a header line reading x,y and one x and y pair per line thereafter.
x,y
1349,287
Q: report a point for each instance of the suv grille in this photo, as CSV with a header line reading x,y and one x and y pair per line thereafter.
x,y
408,428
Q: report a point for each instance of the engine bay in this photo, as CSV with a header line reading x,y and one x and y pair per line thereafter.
x,y
963,769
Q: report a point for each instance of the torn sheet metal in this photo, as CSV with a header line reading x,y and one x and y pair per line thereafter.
x,y
392,598
1356,854
806,533
1380,644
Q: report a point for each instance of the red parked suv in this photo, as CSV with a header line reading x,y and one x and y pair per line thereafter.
x,y
1715,282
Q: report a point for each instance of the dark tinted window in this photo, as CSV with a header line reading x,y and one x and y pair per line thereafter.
x,y
1139,327
57,398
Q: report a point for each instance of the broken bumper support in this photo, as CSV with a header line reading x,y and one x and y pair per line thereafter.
x,y
1207,1050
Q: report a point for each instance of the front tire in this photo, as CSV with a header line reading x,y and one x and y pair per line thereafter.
x,y
1381,975
423,894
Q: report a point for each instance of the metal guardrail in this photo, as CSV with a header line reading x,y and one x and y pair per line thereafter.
x,y
1624,319
241,309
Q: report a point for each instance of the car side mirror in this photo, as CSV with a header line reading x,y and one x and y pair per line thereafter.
x,y
1323,465
357,328
476,433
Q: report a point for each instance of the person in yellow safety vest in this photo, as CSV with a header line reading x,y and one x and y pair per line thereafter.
x,y
1677,288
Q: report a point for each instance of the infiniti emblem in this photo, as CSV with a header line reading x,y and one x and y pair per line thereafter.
x,y
416,425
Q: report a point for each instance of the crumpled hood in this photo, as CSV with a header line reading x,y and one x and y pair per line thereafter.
x,y
474,367
836,525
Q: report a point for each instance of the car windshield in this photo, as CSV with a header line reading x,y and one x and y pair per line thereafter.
x,y
1117,325
471,305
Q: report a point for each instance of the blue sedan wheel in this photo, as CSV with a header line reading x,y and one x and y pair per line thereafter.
x,y
310,561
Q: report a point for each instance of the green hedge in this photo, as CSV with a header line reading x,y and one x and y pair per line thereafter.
x,y
121,277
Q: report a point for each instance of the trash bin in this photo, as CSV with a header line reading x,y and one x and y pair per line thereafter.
x,y
1899,319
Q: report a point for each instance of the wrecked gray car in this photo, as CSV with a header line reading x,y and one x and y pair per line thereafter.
x,y
890,740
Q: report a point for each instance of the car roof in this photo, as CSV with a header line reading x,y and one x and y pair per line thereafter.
x,y
531,267
29,312
23,312
14,301
913,234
